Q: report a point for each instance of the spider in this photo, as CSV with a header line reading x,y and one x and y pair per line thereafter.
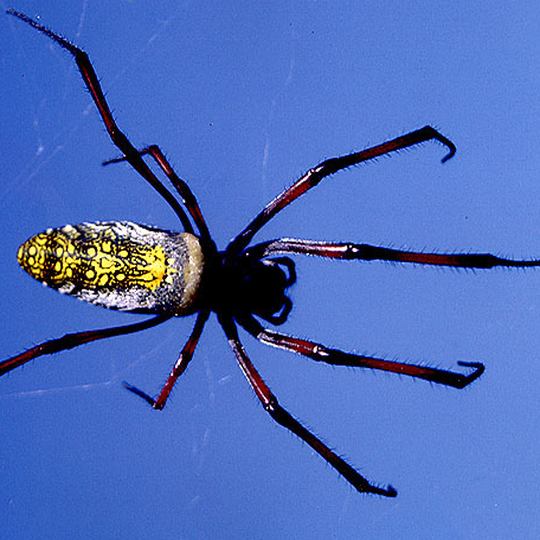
x,y
136,268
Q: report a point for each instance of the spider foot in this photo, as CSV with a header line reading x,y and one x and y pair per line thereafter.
x,y
138,392
385,492
478,370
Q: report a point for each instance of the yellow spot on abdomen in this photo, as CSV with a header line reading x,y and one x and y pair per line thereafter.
x,y
92,256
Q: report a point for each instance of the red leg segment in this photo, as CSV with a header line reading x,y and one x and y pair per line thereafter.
x,y
70,341
366,252
282,417
118,138
335,357
178,368
328,167
188,198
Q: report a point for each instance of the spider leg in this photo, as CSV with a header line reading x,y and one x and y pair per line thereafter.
x,y
335,357
282,417
69,341
349,251
118,138
179,367
327,168
188,198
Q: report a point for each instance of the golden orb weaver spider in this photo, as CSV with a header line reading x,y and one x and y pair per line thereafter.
x,y
135,268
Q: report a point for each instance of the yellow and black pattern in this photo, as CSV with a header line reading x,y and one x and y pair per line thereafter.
x,y
118,265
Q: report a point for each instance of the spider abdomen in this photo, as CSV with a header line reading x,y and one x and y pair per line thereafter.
x,y
118,265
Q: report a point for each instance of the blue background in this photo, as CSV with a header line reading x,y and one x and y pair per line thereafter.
x,y
244,97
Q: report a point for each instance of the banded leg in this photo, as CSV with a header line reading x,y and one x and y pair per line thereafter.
x,y
179,367
320,353
70,341
329,167
118,138
349,251
282,417
188,198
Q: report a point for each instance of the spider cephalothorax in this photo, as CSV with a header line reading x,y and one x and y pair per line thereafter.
x,y
246,285
130,267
